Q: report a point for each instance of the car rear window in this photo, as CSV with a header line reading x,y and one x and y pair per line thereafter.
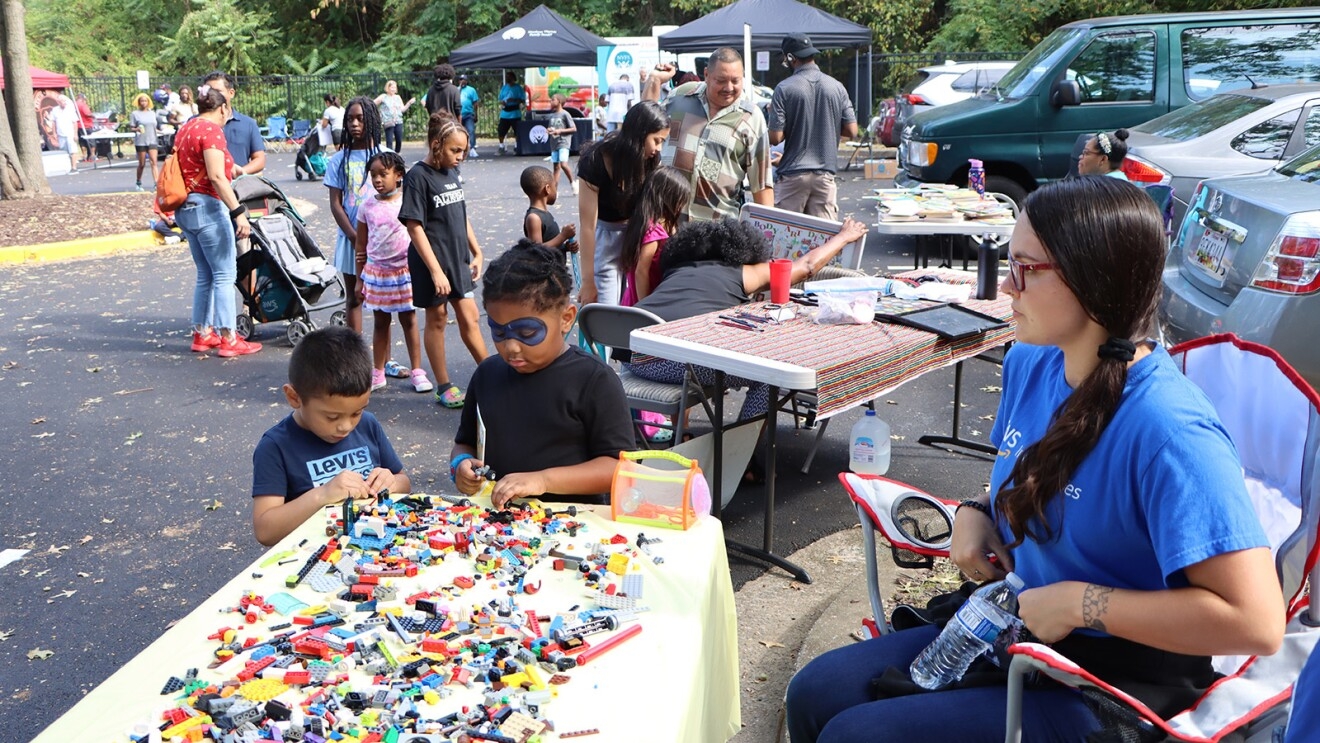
x,y
1226,58
917,79
1192,121
1304,167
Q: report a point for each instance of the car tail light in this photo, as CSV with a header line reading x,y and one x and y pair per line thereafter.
x,y
1140,171
1292,264
916,99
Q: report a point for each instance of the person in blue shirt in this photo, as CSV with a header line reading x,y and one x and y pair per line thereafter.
x,y
513,99
242,135
329,448
1116,495
469,102
1304,719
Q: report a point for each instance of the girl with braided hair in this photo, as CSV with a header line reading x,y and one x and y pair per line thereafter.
x,y
1116,496
444,259
349,183
553,418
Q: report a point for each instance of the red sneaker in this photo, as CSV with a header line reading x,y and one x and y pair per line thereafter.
x,y
203,343
236,347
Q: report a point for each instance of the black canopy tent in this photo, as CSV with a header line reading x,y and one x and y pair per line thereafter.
x,y
770,21
542,38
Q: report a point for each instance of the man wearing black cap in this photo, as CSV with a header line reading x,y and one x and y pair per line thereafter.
x,y
809,112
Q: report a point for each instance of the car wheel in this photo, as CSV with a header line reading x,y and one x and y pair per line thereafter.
x,y
1008,187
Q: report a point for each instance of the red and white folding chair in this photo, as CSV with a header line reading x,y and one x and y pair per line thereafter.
x,y
1273,417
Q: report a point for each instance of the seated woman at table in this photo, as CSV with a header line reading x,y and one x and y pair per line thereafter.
x,y
1104,154
552,417
713,266
1117,497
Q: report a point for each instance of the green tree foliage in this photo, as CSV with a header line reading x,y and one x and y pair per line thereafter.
x,y
218,34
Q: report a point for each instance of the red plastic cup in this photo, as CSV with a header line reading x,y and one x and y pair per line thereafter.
x,y
781,275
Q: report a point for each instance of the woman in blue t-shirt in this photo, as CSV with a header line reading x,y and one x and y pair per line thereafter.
x,y
1117,496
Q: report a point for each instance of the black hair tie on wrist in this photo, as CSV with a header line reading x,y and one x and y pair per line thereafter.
x,y
1118,349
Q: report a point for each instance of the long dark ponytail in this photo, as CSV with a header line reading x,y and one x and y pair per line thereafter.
x,y
1106,240
625,146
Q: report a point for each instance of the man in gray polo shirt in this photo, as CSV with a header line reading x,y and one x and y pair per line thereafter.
x,y
809,113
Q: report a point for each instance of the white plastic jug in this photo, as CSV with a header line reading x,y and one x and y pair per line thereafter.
x,y
868,449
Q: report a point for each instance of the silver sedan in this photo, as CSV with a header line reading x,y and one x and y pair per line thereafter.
x,y
1245,131
1246,260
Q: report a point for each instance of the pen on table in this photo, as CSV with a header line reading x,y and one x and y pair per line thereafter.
x,y
739,326
739,321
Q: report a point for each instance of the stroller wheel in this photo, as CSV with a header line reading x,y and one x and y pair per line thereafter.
x,y
338,317
243,327
297,329
297,174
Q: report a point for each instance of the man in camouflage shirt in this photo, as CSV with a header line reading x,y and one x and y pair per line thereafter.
x,y
715,137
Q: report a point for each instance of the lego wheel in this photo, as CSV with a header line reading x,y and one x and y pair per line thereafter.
x,y
243,326
297,329
339,317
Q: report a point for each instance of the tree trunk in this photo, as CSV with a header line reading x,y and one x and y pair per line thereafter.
x,y
22,173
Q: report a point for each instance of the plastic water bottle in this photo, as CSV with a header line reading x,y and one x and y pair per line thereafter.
x,y
976,176
869,447
972,631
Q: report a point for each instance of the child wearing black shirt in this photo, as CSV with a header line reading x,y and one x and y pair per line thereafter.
x,y
545,416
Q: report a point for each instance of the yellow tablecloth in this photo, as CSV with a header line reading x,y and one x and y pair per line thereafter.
x,y
677,681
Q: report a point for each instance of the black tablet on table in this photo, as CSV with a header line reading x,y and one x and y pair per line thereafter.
x,y
948,321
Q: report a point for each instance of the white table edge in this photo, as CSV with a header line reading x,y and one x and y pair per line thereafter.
x,y
785,376
971,228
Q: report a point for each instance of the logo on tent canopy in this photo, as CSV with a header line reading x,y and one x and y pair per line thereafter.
x,y
514,33
538,134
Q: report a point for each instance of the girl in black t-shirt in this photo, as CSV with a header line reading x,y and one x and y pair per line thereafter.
x,y
444,258
546,417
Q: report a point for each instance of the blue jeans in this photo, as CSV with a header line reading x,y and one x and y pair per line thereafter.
x,y
393,136
205,222
470,124
829,701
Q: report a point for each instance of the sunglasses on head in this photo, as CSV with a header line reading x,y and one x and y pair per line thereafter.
x,y
529,331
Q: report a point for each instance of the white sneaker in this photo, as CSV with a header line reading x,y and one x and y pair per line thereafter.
x,y
420,382
575,190
473,153
502,150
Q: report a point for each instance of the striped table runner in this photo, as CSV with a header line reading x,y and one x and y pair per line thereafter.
x,y
853,363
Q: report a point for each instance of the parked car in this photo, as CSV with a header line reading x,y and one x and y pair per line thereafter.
x,y
948,83
1246,131
1246,260
1098,75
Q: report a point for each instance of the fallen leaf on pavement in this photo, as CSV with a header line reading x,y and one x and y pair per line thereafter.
x,y
57,550
199,439
107,521
213,505
93,369
85,539
39,654
992,388
38,420
771,643
45,435
6,634
228,546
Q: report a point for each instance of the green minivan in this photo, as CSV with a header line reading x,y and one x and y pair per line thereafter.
x,y
1100,75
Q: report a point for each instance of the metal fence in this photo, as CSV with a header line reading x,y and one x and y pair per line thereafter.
x,y
301,96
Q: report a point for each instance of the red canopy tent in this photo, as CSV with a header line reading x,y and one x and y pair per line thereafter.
x,y
41,79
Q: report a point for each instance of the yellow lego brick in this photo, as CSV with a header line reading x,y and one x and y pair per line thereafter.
x,y
431,697
515,679
312,611
262,690
535,677
618,564
183,727
369,717
395,610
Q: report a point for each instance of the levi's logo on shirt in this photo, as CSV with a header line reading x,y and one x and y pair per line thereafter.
x,y
324,470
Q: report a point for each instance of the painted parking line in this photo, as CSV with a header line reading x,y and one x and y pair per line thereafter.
x,y
8,556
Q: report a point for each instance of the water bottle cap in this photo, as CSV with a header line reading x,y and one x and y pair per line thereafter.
x,y
975,163
1014,581
870,413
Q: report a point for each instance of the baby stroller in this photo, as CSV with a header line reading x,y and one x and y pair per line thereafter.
x,y
310,159
283,275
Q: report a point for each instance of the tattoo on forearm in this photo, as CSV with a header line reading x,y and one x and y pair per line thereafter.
x,y
1095,604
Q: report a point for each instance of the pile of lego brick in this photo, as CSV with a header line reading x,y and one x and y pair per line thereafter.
x,y
414,622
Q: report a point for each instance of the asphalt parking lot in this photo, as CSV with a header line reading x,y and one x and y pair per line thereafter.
x,y
130,457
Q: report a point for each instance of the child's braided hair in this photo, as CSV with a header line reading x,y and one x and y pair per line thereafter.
x,y
440,127
529,273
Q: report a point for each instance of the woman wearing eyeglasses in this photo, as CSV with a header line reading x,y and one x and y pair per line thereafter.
x,y
1116,496
1104,154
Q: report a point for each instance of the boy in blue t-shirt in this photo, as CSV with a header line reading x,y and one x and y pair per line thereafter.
x,y
329,448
